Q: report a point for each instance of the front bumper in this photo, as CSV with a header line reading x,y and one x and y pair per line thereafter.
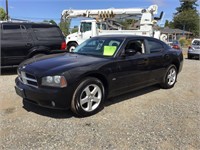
x,y
56,98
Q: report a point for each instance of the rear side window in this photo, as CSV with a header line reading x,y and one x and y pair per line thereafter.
x,y
43,32
14,32
155,47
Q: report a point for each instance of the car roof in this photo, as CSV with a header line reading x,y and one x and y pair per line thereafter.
x,y
127,36
196,39
27,23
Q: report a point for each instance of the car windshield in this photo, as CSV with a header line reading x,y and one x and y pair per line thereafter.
x,y
196,42
99,46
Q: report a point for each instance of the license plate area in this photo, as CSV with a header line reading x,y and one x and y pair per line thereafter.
x,y
20,92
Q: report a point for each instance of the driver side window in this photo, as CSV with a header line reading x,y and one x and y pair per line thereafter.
x,y
137,46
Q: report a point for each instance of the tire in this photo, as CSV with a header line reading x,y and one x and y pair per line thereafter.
x,y
170,77
189,57
88,97
71,46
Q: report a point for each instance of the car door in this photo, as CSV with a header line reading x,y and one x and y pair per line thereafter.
x,y
157,59
16,43
133,70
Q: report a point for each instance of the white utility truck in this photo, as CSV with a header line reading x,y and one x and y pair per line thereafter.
x,y
104,21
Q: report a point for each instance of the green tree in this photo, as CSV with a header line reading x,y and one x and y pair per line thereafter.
x,y
186,17
64,26
2,14
187,5
45,21
166,23
74,30
169,24
50,21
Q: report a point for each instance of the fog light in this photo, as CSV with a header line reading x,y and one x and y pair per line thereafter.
x,y
53,103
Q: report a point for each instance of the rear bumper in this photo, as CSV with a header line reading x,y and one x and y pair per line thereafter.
x,y
56,98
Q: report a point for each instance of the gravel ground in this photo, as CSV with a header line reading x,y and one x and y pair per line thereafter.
x,y
151,118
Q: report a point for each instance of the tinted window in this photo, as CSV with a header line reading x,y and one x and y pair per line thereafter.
x,y
136,45
155,47
13,32
44,32
196,42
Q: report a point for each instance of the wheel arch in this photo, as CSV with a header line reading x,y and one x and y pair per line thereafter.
x,y
177,64
72,42
38,50
102,78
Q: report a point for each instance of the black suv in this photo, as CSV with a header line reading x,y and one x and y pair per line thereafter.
x,y
22,40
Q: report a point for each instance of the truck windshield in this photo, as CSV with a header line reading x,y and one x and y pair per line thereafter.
x,y
99,46
86,26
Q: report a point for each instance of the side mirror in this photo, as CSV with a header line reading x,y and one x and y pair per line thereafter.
x,y
81,30
130,52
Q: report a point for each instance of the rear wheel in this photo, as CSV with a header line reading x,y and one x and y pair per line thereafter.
x,y
170,77
88,97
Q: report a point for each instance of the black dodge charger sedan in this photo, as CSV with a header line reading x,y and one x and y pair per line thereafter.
x,y
101,67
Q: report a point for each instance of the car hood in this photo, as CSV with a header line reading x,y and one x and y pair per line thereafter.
x,y
58,63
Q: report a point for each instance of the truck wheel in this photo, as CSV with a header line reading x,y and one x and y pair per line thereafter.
x,y
71,46
88,97
170,77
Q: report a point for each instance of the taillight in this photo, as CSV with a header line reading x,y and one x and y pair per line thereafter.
x,y
63,45
175,47
189,47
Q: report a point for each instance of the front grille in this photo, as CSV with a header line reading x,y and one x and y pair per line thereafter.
x,y
28,79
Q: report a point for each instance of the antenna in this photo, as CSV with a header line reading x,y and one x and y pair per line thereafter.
x,y
7,17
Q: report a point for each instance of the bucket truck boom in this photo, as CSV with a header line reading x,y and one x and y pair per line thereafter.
x,y
103,21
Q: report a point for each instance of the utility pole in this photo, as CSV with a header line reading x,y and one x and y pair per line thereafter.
x,y
7,10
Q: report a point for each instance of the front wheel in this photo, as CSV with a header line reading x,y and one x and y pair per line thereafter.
x,y
88,97
170,77
71,46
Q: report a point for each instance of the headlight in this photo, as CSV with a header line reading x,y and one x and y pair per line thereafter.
x,y
54,81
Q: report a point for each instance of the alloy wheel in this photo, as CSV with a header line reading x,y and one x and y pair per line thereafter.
x,y
90,97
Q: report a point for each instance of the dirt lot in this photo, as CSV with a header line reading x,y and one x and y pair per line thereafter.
x,y
151,118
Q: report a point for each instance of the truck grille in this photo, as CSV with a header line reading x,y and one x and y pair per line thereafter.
x,y
28,79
